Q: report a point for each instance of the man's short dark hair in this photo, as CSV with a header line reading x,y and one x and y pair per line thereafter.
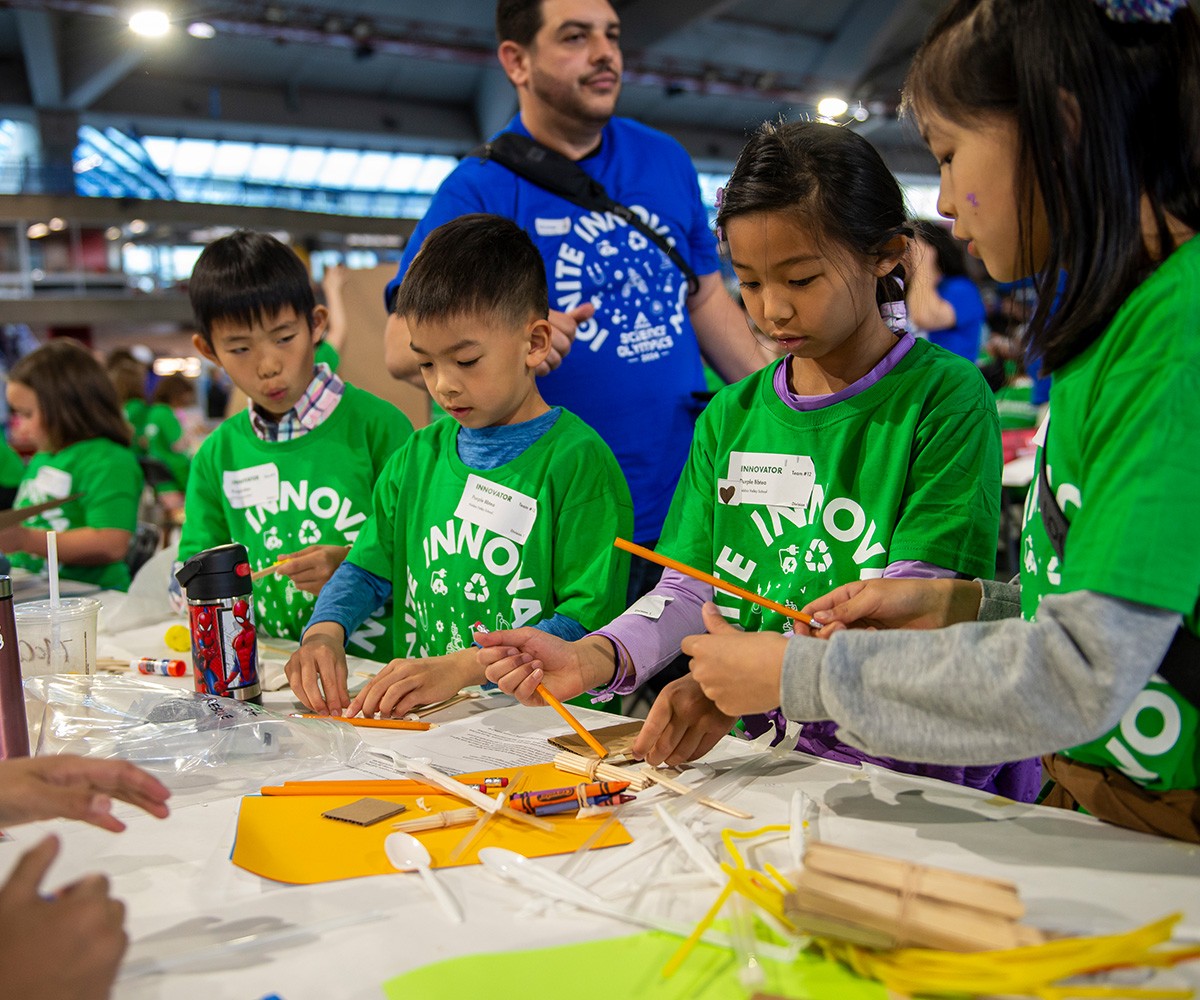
x,y
518,21
475,265
248,278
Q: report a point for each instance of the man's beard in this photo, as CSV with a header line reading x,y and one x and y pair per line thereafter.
x,y
570,103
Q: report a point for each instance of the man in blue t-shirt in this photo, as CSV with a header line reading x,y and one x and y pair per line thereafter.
x,y
635,369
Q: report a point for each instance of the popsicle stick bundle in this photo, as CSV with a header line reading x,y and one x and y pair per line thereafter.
x,y
882,902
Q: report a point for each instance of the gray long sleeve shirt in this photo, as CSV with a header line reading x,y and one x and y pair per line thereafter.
x,y
986,690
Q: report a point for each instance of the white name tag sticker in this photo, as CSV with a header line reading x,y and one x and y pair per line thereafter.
x,y
552,227
761,477
252,487
498,508
650,606
51,482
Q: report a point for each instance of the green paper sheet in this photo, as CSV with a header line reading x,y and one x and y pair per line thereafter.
x,y
623,967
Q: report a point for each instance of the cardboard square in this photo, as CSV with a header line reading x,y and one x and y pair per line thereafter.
x,y
615,739
366,811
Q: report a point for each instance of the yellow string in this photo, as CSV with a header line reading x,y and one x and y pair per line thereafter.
x,y
1028,971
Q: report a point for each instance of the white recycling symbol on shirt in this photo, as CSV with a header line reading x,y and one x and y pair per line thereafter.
x,y
477,589
309,534
817,558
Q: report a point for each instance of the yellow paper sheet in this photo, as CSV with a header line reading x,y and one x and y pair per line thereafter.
x,y
286,838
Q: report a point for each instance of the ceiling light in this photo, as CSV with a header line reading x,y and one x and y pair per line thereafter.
x,y
112,233
57,225
201,29
831,107
37,231
138,226
149,23
861,114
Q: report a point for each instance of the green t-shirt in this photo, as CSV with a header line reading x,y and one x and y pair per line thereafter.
x,y
326,354
507,547
281,496
12,469
162,436
791,504
107,478
135,412
1122,463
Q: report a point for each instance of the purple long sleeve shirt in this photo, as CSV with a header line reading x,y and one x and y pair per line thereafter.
x,y
648,636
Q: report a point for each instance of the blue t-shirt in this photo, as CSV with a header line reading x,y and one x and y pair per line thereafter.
x,y
636,364
965,336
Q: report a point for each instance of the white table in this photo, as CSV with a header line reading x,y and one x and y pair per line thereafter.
x,y
182,891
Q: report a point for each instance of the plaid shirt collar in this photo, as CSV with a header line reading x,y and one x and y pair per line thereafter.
x,y
318,401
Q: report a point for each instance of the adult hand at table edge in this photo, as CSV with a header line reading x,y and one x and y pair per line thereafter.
x,y
317,670
681,725
65,946
73,787
896,603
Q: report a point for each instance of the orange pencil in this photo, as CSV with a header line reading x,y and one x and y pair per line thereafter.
x,y
352,788
368,723
712,581
571,721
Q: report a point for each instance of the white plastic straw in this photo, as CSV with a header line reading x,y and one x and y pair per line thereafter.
x,y
52,565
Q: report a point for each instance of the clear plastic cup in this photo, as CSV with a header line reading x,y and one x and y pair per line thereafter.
x,y
58,640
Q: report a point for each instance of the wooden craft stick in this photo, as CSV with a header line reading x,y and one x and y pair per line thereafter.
x,y
571,721
423,710
713,581
679,788
451,817
258,574
369,723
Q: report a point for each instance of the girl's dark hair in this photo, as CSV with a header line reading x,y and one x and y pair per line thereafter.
x,y
830,178
951,260
76,398
248,278
173,387
1105,113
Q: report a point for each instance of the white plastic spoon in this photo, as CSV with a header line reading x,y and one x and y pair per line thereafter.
x,y
407,854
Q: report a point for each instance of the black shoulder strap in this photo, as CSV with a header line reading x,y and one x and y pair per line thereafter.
x,y
559,175
1180,666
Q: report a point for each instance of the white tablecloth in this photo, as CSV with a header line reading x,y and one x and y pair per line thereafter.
x,y
182,891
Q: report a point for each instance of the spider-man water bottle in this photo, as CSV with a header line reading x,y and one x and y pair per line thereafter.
x,y
221,606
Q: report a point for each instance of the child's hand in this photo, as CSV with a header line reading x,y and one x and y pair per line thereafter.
x,y
310,568
62,944
682,725
404,685
518,660
82,788
738,671
317,670
896,604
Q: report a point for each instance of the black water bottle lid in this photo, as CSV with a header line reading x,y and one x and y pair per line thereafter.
x,y
215,573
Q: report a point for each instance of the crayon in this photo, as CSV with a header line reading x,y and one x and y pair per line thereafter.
x,y
168,668
593,801
574,795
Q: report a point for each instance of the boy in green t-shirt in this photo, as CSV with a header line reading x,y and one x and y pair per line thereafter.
x,y
292,478
501,517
